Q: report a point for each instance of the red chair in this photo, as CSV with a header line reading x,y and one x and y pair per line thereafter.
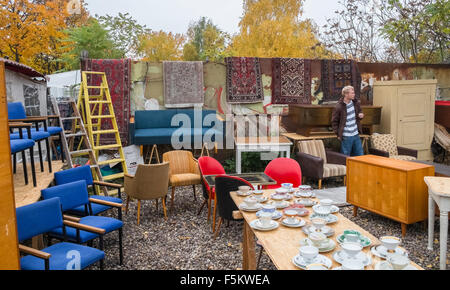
x,y
284,170
209,166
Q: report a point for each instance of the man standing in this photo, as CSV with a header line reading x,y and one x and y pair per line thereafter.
x,y
346,122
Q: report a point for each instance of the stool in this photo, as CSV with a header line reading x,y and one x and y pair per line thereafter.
x,y
438,192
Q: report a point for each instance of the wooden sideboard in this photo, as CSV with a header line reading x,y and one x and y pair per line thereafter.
x,y
391,188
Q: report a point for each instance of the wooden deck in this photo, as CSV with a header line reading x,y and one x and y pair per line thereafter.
x,y
27,194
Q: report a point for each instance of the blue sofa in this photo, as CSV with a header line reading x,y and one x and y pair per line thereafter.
x,y
157,127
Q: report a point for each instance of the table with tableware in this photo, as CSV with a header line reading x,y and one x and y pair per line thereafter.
x,y
299,231
256,179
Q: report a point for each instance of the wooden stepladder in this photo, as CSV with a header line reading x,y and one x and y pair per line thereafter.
x,y
98,112
76,137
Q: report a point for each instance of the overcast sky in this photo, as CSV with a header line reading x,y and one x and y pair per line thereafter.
x,y
175,15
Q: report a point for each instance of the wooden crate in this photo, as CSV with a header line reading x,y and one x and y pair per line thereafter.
x,y
392,188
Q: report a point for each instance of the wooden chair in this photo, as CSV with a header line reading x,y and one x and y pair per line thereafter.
x,y
150,182
183,171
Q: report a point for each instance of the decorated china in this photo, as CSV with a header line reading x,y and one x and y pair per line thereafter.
x,y
353,264
297,223
265,218
241,193
340,256
269,208
390,243
305,202
244,207
317,238
326,246
275,214
321,208
257,225
398,261
381,251
329,218
353,236
300,261
304,194
351,249
250,201
384,265
280,204
327,231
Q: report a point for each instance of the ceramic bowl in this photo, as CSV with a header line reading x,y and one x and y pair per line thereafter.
x,y
287,185
309,252
304,187
351,249
390,242
317,238
269,208
322,211
251,201
398,261
244,188
318,223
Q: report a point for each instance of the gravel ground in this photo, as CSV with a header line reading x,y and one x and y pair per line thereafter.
x,y
185,241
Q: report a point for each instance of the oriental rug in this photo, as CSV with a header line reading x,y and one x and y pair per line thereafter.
x,y
244,82
183,84
291,81
337,74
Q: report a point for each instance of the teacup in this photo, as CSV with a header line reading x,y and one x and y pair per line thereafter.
x,y
398,261
318,223
265,218
326,204
251,201
390,243
304,188
258,192
291,216
244,188
351,249
352,238
278,199
317,239
322,211
352,264
309,253
269,208
288,186
281,191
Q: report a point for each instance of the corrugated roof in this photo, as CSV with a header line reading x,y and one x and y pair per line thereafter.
x,y
21,68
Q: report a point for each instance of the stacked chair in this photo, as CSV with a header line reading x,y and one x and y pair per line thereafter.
x,y
284,170
43,217
20,146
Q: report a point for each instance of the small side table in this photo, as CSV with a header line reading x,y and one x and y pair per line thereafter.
x,y
439,192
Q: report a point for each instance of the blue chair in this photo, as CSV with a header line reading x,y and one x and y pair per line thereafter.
x,y
16,113
101,202
41,217
74,195
20,146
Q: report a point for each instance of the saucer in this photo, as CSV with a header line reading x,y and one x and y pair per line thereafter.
x,y
240,193
286,196
300,262
333,208
327,231
306,202
363,240
383,265
275,215
340,256
304,194
329,218
283,204
300,223
262,199
256,224
244,207
301,211
327,246
381,251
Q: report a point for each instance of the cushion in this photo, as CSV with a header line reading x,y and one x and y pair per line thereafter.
x,y
72,194
60,258
313,147
74,174
184,179
51,130
20,145
153,119
403,157
16,110
106,223
153,136
385,142
71,235
96,208
331,170
35,135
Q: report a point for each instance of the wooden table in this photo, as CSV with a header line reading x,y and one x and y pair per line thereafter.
x,y
439,192
294,137
258,144
258,179
283,243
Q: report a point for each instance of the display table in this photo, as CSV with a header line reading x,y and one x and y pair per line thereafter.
x,y
392,188
439,192
257,144
283,243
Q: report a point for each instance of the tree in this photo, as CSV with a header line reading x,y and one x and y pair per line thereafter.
x,y
419,29
205,42
158,46
354,31
30,30
93,38
124,31
272,28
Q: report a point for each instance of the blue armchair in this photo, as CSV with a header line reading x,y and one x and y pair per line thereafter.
x,y
16,113
21,145
41,217
102,203
74,195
